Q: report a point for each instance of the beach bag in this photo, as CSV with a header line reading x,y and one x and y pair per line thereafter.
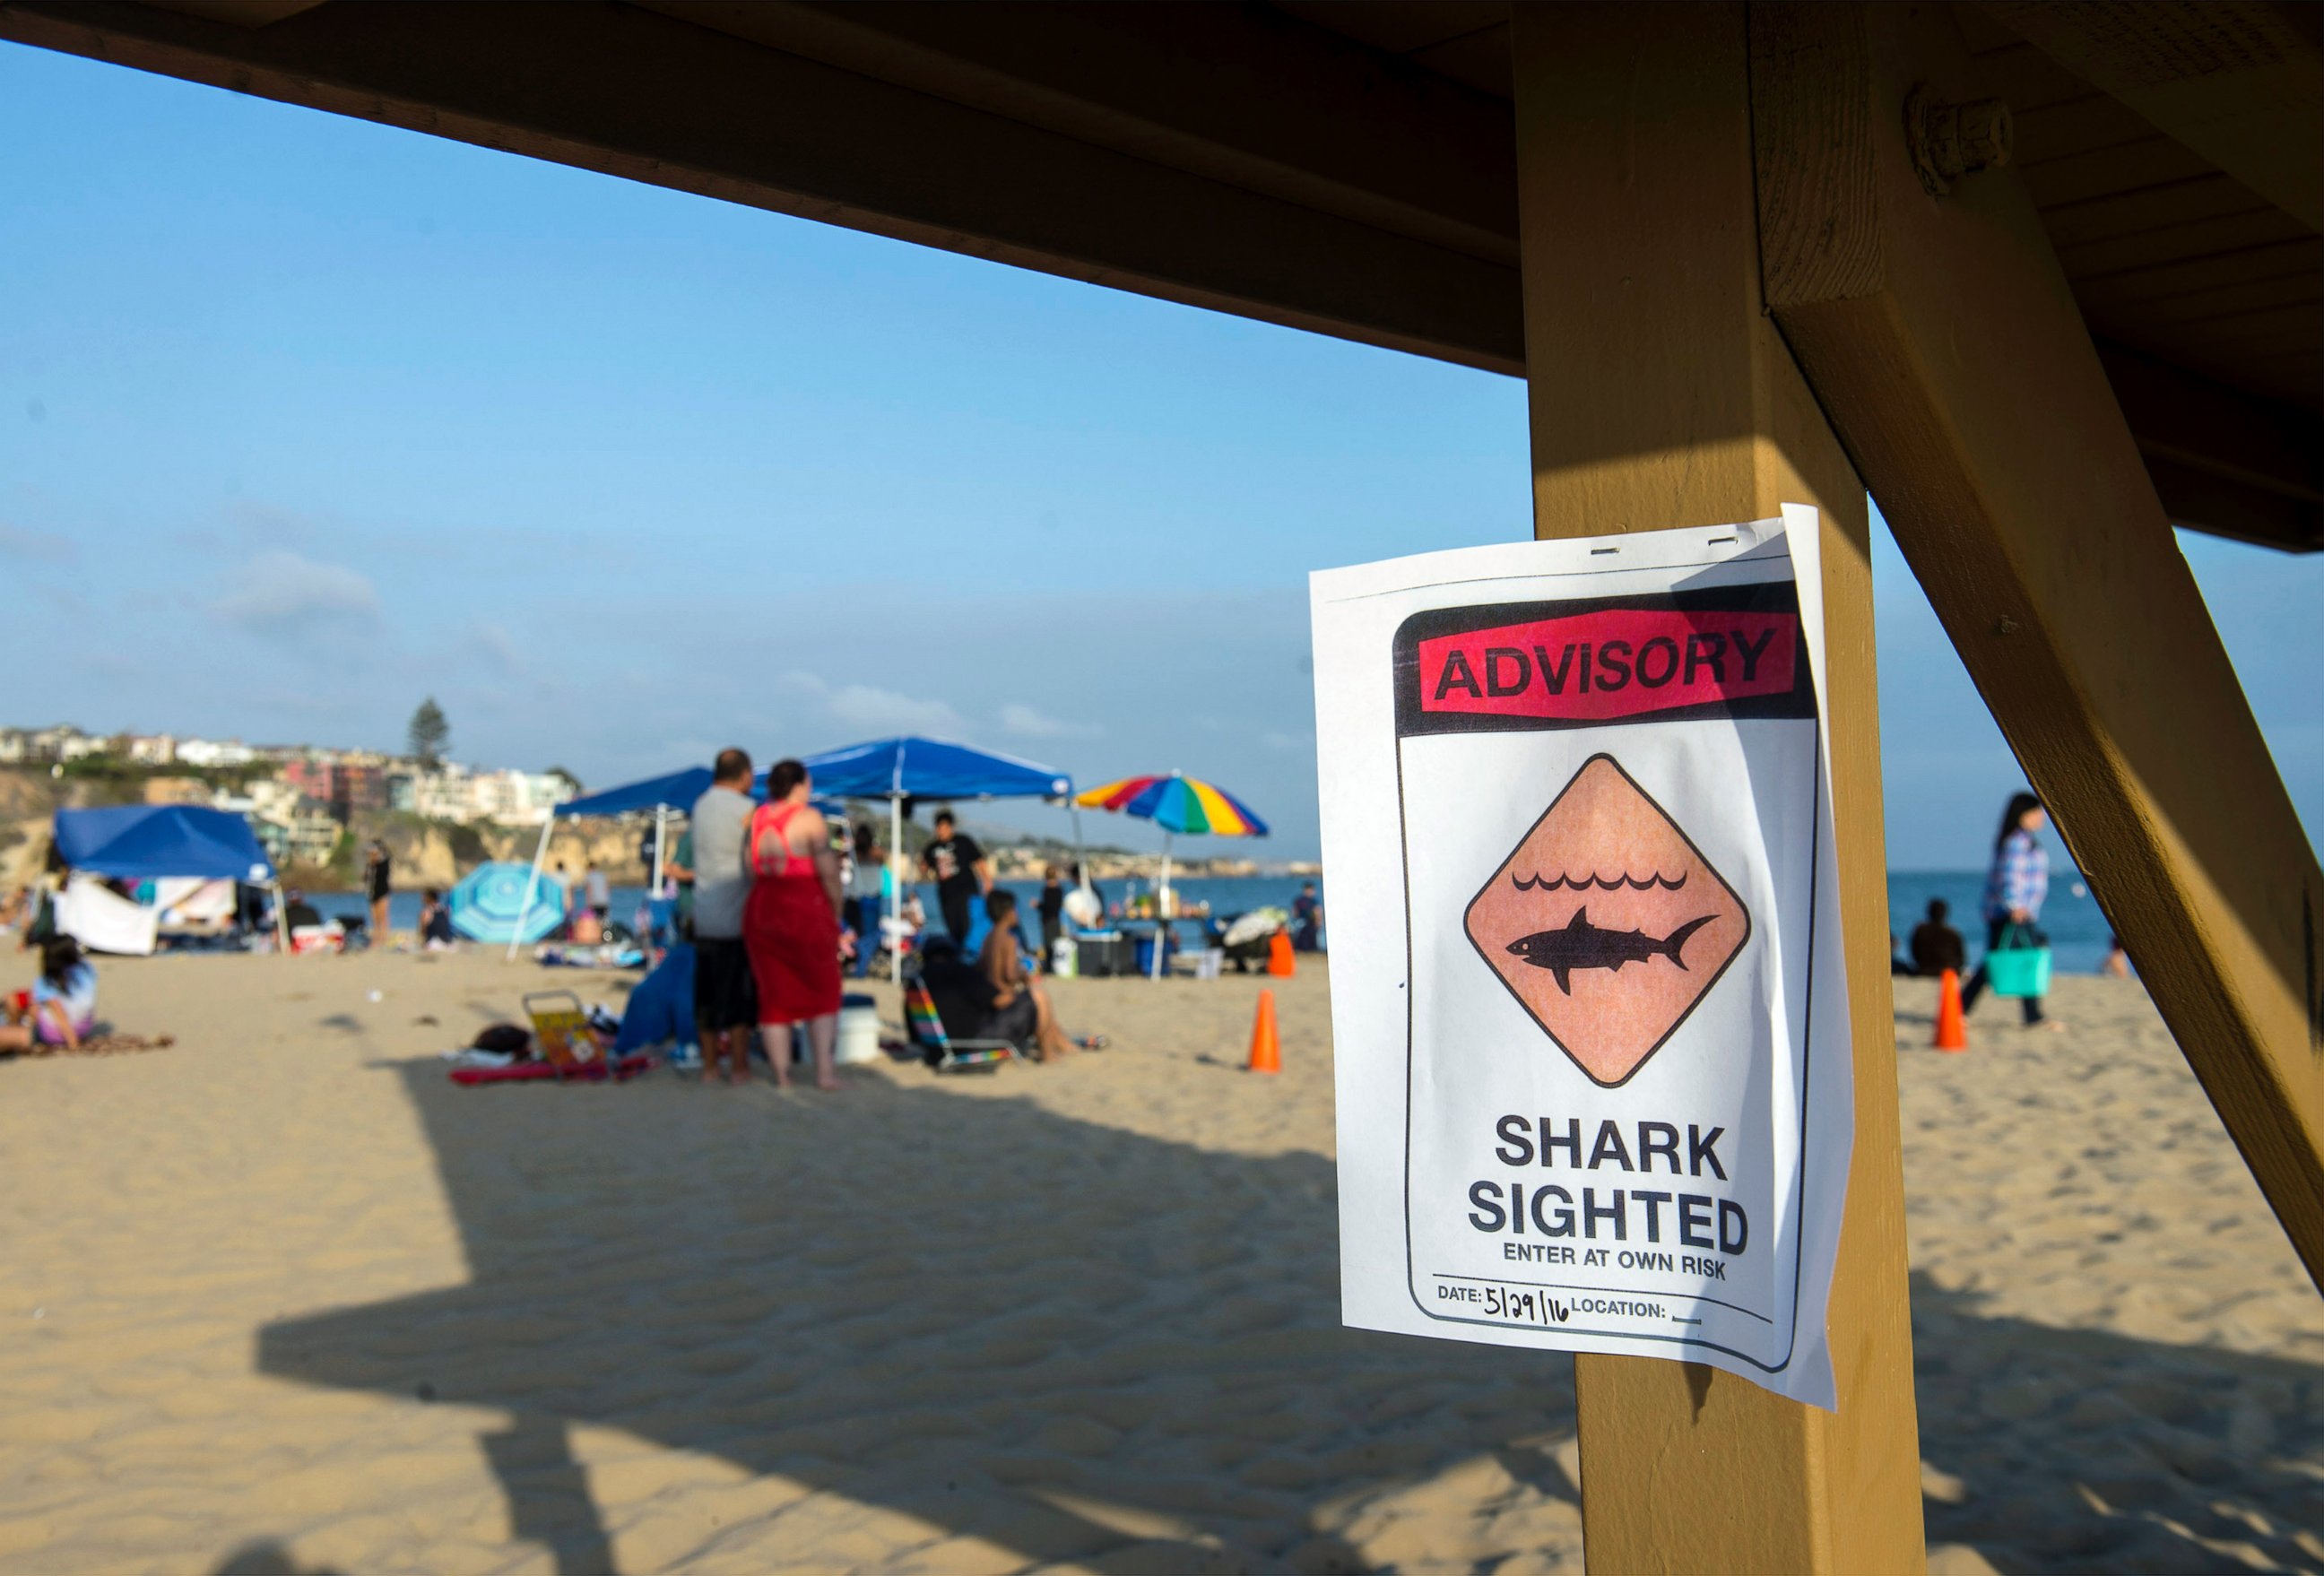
x,y
2019,965
506,1038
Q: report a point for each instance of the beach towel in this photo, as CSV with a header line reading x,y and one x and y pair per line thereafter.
x,y
622,1069
104,1045
102,920
611,954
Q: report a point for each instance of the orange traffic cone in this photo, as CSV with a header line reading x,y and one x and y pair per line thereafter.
x,y
1265,1050
1279,961
1953,1028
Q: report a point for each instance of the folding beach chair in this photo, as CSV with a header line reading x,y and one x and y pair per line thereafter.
x,y
560,1026
924,1026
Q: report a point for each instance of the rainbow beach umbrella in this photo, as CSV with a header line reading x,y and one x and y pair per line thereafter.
x,y
1180,806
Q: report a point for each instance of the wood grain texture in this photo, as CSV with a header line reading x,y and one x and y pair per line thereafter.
x,y
2240,82
1828,248
1260,160
1969,394
633,93
1663,396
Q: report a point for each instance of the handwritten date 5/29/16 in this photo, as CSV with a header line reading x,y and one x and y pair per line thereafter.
x,y
1530,1306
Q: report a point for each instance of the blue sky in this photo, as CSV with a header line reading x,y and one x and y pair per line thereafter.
x,y
302,419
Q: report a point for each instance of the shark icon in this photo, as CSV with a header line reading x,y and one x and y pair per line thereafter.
x,y
1580,944
1605,879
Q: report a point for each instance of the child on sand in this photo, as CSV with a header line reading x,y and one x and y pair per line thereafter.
x,y
61,1006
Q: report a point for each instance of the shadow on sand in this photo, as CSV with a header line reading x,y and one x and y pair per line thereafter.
x,y
1060,1339
1075,1343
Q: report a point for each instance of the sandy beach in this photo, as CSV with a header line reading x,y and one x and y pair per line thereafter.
x,y
281,1300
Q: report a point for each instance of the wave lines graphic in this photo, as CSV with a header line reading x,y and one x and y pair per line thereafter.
x,y
1537,883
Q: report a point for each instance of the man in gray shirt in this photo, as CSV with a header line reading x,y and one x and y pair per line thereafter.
x,y
725,1005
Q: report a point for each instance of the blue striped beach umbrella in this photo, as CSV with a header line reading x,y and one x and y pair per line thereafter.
x,y
489,905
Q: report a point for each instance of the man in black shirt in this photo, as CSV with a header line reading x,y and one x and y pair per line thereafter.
x,y
961,871
1936,945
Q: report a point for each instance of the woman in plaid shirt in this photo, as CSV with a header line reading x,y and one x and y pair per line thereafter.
x,y
2014,887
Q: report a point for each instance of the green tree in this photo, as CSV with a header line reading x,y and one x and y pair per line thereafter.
x,y
571,781
430,732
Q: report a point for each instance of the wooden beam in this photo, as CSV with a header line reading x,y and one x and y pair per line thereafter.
x,y
2222,461
1223,156
2241,82
634,93
1941,339
1245,95
1663,396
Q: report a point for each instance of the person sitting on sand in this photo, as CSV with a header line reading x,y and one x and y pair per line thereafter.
x,y
62,1006
298,914
1937,946
1020,1012
435,921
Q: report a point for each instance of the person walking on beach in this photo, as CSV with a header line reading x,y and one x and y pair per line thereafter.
x,y
598,892
724,1009
2014,888
378,869
961,871
790,923
866,896
1936,945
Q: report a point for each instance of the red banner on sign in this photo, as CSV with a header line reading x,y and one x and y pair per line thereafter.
x,y
1615,663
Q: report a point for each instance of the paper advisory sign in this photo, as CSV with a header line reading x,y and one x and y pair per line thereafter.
x,y
1588,993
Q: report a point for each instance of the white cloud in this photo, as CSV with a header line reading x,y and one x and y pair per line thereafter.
x,y
1274,740
877,710
1025,720
497,645
281,593
38,547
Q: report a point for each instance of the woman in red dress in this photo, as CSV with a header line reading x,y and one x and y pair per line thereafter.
x,y
790,923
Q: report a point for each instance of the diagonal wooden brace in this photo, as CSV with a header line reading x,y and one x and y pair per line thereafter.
x,y
1940,337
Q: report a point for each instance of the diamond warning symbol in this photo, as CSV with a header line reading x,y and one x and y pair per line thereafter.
x,y
1607,923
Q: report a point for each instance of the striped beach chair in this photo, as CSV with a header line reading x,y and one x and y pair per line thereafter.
x,y
939,1049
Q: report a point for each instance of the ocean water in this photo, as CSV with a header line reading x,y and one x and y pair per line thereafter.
x,y
2078,931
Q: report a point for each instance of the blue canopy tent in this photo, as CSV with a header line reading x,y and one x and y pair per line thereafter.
x,y
895,769
148,842
675,790
673,793
912,768
142,841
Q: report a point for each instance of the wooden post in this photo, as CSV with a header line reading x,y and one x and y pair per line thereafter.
x,y
1940,335
1661,395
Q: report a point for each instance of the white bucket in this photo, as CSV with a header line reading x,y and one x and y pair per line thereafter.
x,y
859,1034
